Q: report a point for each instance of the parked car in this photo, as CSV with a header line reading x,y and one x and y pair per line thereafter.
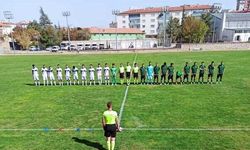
x,y
55,49
94,47
80,46
48,48
73,47
87,47
34,48
101,46
65,48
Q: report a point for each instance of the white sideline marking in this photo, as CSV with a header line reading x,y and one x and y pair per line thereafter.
x,y
125,96
134,129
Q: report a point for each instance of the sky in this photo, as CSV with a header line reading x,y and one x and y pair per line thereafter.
x,y
88,13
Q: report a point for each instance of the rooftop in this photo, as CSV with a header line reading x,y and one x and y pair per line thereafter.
x,y
171,9
96,30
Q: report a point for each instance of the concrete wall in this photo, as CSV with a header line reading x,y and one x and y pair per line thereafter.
x,y
216,46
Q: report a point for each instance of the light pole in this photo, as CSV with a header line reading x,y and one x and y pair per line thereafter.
x,y
165,9
115,13
8,15
66,14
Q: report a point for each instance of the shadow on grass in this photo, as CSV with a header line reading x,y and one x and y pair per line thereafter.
x,y
95,145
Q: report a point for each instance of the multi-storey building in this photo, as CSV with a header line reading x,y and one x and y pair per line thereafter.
x,y
150,19
243,5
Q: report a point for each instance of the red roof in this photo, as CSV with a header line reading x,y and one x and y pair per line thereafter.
x,y
171,9
114,30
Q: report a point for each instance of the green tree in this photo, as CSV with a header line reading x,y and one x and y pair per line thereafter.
x,y
50,36
22,36
44,19
207,19
194,30
173,29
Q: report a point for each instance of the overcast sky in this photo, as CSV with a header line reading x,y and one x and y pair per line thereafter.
x,y
86,13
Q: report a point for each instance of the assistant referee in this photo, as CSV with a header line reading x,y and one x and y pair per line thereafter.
x,y
110,125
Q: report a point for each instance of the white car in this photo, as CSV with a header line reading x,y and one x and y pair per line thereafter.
x,y
73,47
33,48
49,48
80,46
87,46
55,49
94,46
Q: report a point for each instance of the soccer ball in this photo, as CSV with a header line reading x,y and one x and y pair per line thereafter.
x,y
120,129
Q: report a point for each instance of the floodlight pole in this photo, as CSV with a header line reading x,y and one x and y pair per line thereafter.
x,y
66,14
115,13
8,15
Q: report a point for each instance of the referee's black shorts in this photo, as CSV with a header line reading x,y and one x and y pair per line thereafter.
x,y
110,130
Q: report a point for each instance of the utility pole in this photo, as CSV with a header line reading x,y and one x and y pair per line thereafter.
x,y
66,14
115,13
8,15
165,10
182,22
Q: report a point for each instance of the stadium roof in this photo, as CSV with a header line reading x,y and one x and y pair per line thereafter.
x,y
237,17
171,9
96,30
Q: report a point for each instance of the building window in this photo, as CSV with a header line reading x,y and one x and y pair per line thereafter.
x,y
152,15
152,20
143,21
123,21
152,26
143,26
124,26
123,16
152,31
143,15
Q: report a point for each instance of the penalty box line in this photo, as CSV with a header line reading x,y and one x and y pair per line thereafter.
x,y
133,129
125,96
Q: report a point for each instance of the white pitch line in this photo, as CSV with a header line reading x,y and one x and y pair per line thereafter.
x,y
134,129
125,96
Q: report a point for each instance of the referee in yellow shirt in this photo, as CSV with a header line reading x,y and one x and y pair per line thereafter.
x,y
110,125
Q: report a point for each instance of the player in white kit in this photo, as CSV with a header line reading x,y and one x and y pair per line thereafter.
x,y
99,74
35,75
67,75
75,75
59,75
45,75
91,75
106,74
84,75
51,76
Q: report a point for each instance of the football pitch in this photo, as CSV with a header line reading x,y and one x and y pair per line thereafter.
x,y
208,116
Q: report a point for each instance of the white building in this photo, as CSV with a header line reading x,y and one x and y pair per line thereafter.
x,y
235,27
243,5
147,19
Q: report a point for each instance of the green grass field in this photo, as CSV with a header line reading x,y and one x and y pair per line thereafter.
x,y
224,105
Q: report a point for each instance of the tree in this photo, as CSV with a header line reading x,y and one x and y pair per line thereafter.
x,y
44,19
207,19
22,37
194,30
50,36
173,29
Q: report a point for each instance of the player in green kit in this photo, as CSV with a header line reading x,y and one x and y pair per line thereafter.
x,y
171,73
221,69
178,76
194,69
122,73
143,74
156,74
110,125
113,74
164,69
210,73
136,73
202,72
186,70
